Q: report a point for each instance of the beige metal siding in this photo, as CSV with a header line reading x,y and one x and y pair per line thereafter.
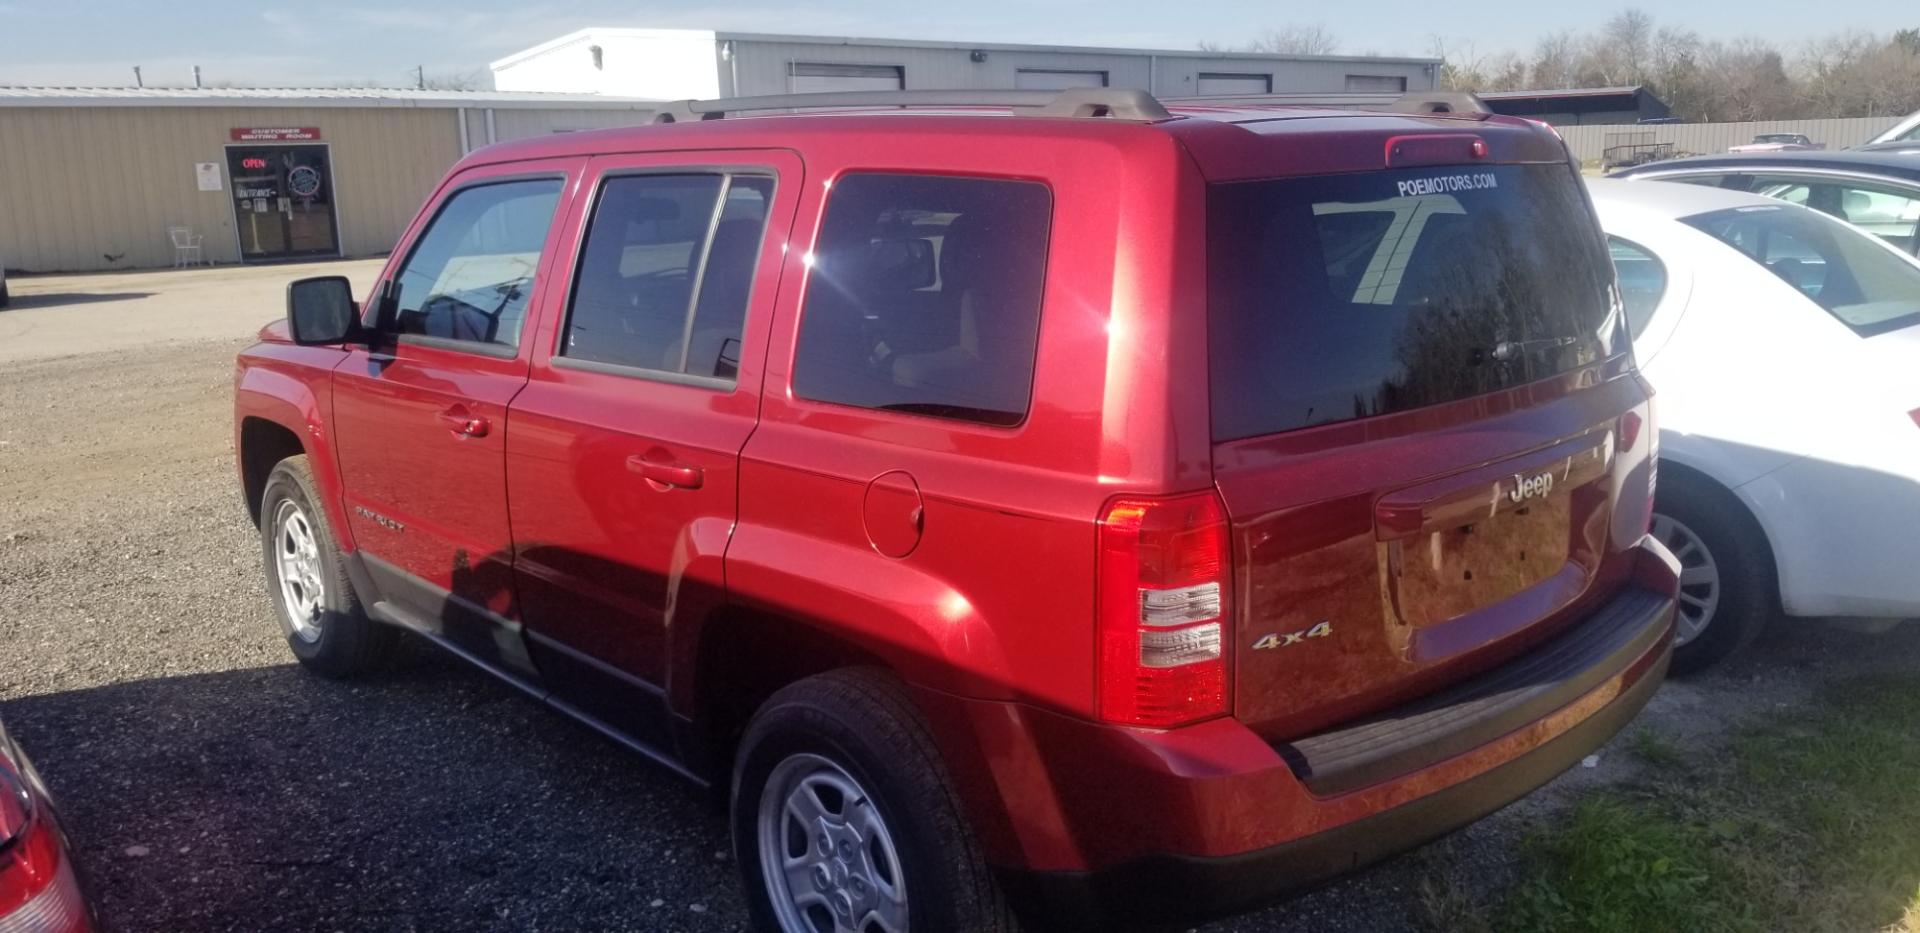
x,y
79,184
1588,142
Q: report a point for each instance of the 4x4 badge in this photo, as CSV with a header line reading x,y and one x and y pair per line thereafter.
x,y
1290,638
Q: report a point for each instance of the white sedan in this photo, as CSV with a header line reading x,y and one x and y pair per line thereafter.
x,y
1784,348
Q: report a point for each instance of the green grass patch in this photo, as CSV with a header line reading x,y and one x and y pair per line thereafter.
x,y
1806,820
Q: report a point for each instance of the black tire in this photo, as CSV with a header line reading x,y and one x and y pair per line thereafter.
x,y
862,721
1733,542
339,639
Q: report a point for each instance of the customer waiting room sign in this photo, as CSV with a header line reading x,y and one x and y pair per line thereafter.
x,y
274,134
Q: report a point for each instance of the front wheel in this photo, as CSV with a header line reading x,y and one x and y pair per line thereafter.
x,y
319,612
844,820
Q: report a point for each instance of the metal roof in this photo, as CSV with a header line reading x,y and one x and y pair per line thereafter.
x,y
1891,163
1562,92
37,96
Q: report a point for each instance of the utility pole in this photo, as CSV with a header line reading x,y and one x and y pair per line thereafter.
x,y
137,82
420,77
196,76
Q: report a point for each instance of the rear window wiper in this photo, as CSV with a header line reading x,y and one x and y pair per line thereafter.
x,y
1507,351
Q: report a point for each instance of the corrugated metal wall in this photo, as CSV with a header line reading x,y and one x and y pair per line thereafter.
x,y
1708,138
762,67
79,184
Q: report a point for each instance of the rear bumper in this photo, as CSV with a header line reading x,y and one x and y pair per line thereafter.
x,y
1103,826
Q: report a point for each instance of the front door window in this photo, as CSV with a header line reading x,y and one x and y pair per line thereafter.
x,y
282,201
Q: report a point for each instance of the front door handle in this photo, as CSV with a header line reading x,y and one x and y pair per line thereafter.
x,y
666,473
464,423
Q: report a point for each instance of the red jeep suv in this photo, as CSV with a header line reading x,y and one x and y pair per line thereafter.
x,y
1018,503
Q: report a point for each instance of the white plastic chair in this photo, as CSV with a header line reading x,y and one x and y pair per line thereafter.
x,y
186,247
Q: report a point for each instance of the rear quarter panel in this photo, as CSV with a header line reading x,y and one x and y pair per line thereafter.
x,y
995,602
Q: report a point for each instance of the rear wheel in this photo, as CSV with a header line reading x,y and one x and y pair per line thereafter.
x,y
1726,573
307,580
844,820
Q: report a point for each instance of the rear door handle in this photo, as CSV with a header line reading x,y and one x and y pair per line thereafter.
x,y
464,423
668,474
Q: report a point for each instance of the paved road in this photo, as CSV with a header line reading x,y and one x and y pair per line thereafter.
x,y
211,785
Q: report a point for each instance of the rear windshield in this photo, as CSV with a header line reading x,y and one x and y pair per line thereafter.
x,y
1347,296
1866,284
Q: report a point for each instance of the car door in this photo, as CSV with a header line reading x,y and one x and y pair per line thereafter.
x,y
623,450
419,412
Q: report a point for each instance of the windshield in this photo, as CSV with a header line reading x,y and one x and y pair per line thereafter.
x,y
1869,286
1347,296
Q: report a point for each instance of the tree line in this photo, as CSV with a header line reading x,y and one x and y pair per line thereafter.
x,y
1853,74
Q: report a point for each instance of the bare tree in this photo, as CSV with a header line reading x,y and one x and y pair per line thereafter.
x,y
1297,39
1291,39
1624,45
1555,61
473,80
1857,74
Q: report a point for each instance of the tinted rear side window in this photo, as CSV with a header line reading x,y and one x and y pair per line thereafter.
x,y
666,272
925,296
1348,296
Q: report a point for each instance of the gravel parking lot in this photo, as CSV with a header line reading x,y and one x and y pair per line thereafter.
x,y
209,784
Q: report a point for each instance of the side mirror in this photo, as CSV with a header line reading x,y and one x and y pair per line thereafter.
x,y
320,310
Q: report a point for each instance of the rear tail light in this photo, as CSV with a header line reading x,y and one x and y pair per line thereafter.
x,y
1631,427
38,891
1163,608
56,908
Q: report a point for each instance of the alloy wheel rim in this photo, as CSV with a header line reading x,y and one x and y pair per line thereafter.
x,y
826,854
296,552
1699,578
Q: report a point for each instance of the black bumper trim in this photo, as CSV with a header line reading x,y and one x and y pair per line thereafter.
x,y
1470,714
1165,888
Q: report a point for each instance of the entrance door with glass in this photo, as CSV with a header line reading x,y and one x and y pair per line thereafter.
x,y
282,202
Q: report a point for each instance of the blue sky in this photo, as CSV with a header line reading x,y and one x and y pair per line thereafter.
x,y
322,42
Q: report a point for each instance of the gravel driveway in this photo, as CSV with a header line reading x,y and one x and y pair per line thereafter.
x,y
209,784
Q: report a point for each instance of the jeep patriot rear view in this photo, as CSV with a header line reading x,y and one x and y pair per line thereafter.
x,y
1046,508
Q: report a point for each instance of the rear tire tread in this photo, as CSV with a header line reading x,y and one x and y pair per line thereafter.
x,y
879,704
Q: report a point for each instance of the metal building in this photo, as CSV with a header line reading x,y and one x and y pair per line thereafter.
x,y
668,64
102,178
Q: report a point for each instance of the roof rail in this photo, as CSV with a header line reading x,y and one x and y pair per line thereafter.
x,y
1412,102
1116,103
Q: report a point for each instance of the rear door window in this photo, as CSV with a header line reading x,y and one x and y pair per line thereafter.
x,y
1348,296
1867,286
665,273
924,296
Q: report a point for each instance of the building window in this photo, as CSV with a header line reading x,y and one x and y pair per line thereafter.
x,y
1376,84
1222,84
816,77
1057,79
